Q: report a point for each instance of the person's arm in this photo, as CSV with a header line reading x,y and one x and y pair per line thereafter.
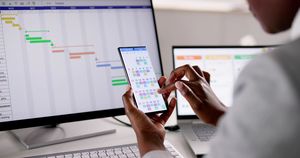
x,y
149,129
197,92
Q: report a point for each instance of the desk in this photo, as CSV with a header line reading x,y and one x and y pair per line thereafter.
x,y
11,148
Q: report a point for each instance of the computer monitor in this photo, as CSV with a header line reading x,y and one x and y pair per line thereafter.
x,y
59,59
224,63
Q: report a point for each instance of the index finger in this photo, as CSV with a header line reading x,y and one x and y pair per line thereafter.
x,y
182,71
167,89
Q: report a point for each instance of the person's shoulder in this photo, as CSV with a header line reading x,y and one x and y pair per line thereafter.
x,y
287,54
291,48
279,67
282,61
264,68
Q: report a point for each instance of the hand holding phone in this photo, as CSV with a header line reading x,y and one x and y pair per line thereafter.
x,y
142,78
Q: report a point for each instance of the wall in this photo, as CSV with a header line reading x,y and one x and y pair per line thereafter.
x,y
179,27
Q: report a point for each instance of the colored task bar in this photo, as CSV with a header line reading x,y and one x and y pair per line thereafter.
x,y
244,57
33,38
120,84
58,51
41,41
117,67
119,80
75,57
103,65
8,18
218,57
83,53
189,57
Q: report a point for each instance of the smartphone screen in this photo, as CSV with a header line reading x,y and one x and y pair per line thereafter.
x,y
142,79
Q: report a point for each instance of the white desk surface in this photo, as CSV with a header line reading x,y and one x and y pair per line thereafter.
x,y
11,148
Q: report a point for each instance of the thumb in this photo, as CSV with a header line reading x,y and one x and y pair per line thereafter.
x,y
128,102
135,116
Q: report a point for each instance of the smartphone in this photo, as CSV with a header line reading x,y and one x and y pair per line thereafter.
x,y
142,78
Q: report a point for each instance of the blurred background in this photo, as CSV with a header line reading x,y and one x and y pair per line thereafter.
x,y
208,22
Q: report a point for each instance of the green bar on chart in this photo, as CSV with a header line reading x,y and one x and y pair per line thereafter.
x,y
120,84
119,80
33,38
41,41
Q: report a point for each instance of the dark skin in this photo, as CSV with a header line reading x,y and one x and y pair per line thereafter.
x,y
274,15
149,129
197,92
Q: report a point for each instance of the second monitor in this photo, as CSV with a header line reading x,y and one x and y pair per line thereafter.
x,y
224,63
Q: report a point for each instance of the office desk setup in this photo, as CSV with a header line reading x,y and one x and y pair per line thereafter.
x,y
59,67
11,148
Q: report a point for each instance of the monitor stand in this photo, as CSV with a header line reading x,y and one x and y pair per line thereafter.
x,y
48,135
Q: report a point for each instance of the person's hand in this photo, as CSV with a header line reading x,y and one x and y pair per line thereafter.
x,y
197,92
149,129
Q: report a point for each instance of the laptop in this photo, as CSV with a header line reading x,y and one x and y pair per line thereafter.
x,y
224,63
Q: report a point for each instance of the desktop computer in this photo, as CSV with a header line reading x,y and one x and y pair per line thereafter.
x,y
59,60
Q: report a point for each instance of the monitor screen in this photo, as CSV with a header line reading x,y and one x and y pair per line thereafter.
x,y
224,65
59,58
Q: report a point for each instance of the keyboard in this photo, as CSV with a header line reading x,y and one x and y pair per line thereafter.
x,y
204,132
121,151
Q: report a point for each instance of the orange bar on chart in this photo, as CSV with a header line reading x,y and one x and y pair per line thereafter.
x,y
83,53
189,57
218,57
58,51
75,57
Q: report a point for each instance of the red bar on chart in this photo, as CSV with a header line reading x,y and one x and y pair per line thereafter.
x,y
82,53
58,51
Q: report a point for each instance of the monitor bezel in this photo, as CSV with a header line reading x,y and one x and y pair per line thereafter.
x,y
55,120
183,117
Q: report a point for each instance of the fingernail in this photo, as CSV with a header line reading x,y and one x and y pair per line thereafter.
x,y
128,88
179,85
